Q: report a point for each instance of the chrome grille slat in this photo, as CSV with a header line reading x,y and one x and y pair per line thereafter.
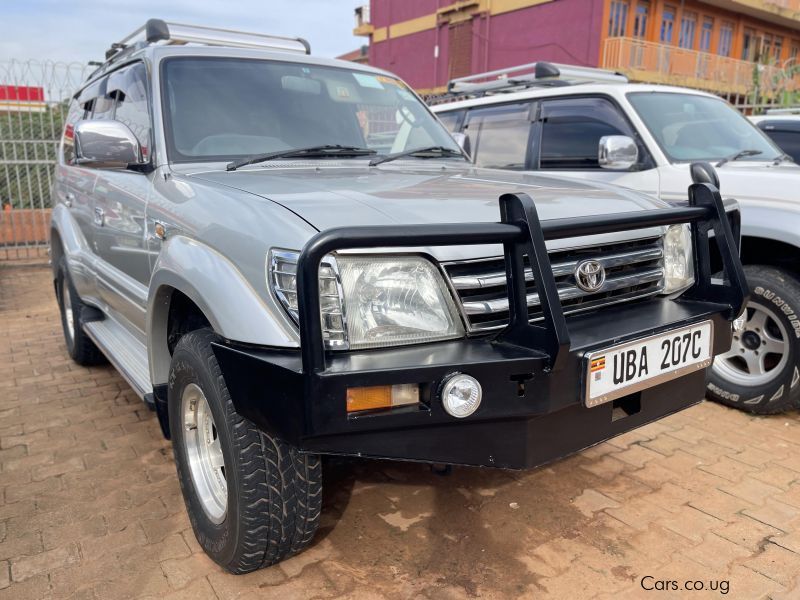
x,y
467,282
566,293
634,270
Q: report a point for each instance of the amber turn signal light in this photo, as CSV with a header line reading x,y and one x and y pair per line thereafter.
x,y
381,396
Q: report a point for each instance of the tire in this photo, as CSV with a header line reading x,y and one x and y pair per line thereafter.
x,y
79,346
747,377
266,505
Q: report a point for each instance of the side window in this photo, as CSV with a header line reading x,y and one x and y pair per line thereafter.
x,y
103,108
788,141
572,128
74,114
128,87
451,120
498,136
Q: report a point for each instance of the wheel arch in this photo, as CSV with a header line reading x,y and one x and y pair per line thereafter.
x,y
206,283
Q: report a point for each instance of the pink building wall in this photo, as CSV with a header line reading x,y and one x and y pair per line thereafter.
x,y
567,31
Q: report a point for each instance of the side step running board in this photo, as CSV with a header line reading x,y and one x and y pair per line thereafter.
x,y
124,351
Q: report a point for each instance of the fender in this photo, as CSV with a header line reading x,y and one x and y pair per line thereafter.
x,y
77,251
771,220
234,308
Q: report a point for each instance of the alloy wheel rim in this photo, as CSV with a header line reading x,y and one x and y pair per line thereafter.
x,y
69,316
204,453
759,352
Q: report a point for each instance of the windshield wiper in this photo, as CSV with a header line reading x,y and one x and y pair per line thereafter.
x,y
738,155
431,151
782,158
324,150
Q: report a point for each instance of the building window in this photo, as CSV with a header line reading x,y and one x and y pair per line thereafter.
x,y
618,20
748,44
640,21
777,48
725,43
795,51
766,48
667,24
706,33
688,26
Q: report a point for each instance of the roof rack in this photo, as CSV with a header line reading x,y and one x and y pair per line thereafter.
x,y
156,31
541,74
783,111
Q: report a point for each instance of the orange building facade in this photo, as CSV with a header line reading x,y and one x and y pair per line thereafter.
x,y
731,47
710,44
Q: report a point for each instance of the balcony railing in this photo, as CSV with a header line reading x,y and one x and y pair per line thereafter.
x,y
661,63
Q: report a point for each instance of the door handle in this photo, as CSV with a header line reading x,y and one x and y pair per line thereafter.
x,y
99,217
69,198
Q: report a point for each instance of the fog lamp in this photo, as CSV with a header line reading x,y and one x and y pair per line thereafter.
x,y
381,396
461,395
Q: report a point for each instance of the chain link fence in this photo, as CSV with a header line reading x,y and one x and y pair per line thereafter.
x,y
34,96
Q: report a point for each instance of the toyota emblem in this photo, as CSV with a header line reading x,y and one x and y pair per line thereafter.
x,y
590,275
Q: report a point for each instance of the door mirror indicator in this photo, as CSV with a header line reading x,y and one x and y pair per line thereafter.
x,y
618,152
106,144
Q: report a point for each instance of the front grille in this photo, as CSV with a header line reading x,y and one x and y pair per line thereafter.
x,y
633,269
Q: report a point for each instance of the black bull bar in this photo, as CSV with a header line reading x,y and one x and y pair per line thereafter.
x,y
522,233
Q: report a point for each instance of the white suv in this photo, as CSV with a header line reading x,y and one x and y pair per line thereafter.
x,y
593,124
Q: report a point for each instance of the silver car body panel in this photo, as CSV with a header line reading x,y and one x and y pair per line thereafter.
x,y
218,226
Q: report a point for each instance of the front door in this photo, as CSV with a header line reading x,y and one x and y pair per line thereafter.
x,y
123,270
569,132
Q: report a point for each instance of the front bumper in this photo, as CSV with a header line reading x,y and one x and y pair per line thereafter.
x,y
529,415
531,375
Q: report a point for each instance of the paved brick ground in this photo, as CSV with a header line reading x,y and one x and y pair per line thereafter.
x,y
90,507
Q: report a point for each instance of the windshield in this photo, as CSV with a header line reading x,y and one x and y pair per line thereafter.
x,y
227,108
690,127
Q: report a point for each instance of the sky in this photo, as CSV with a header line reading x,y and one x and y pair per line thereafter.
x,y
82,30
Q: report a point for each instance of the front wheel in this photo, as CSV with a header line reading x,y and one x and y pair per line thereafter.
x,y
252,499
761,372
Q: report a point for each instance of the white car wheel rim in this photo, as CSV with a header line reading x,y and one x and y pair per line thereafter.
x,y
204,453
759,352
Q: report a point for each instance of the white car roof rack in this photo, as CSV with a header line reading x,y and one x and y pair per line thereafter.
x,y
156,31
784,111
540,73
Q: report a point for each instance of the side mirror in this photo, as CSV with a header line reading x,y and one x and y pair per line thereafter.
x,y
703,172
106,145
618,152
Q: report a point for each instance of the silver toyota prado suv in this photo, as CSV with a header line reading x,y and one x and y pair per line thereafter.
x,y
288,256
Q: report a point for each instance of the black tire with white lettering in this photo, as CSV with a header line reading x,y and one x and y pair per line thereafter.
x,y
761,373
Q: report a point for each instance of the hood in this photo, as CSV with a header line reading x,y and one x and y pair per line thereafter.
x,y
337,195
749,182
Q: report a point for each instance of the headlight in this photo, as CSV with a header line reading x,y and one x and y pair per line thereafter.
x,y
388,301
282,278
678,259
394,301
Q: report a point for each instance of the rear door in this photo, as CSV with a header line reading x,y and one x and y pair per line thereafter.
x,y
569,131
74,188
123,272
784,133
499,136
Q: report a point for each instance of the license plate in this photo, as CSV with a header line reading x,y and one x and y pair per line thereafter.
x,y
633,366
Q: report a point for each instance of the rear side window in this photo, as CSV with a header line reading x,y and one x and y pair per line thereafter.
x,y
498,137
572,128
786,135
128,87
75,114
452,120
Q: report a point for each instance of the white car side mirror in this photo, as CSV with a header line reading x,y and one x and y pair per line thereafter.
x,y
618,152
